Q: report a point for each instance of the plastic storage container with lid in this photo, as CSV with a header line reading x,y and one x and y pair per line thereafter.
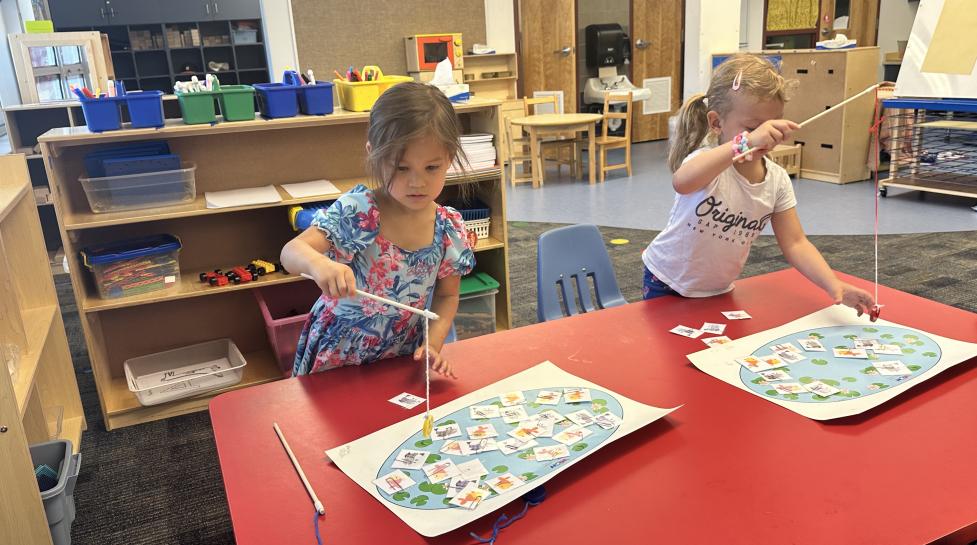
x,y
136,266
59,501
476,306
144,190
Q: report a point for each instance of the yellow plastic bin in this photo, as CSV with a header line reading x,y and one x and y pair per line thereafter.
x,y
359,96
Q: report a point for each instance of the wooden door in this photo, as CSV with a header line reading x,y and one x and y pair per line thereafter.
x,y
548,48
656,52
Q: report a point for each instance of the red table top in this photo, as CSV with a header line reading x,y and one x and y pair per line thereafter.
x,y
726,467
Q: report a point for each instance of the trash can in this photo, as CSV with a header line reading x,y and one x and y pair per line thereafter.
x,y
59,502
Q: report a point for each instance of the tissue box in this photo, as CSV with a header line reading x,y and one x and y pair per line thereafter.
x,y
456,92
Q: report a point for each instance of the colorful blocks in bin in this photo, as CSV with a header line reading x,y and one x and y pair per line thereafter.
x,y
102,114
145,109
277,100
198,108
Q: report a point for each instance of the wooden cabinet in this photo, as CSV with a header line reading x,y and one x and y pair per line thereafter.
x,y
274,151
492,76
42,401
86,13
78,13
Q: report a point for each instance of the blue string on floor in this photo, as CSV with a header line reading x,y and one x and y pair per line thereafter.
x,y
533,497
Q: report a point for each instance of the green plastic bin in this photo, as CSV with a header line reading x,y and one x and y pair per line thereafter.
x,y
237,102
476,306
198,108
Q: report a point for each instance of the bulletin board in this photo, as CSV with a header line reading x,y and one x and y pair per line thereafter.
x,y
941,58
333,34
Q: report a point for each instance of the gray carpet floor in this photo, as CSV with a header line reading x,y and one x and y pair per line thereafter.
x,y
160,483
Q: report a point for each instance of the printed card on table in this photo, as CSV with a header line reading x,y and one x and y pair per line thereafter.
x,y
576,395
552,452
736,315
394,482
512,398
715,329
716,341
888,350
407,401
581,417
469,497
504,483
788,347
891,368
685,331
765,363
457,484
548,397
866,344
789,356
812,345
820,388
409,459
513,445
478,412
440,471
513,415
571,435
481,431
472,470
858,353
453,447
477,446
789,388
548,415
446,431
775,375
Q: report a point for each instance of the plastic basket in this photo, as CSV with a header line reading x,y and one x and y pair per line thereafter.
x,y
184,372
359,96
285,308
472,210
236,102
479,227
276,100
316,99
102,114
145,109
197,108
59,501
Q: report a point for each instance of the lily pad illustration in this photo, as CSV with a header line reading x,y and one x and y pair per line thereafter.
x,y
500,469
432,458
419,500
771,393
929,354
401,496
870,330
850,379
819,361
578,447
423,443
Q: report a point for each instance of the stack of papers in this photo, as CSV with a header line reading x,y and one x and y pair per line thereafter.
x,y
480,152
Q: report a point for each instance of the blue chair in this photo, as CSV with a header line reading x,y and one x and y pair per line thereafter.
x,y
452,335
570,261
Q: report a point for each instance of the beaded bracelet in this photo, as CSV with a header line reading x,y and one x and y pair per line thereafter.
x,y
741,143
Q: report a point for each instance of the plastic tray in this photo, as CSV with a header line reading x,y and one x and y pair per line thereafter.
x,y
136,191
184,372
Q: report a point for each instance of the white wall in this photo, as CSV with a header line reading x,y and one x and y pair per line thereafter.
x,y
500,31
753,13
9,24
895,22
279,34
711,26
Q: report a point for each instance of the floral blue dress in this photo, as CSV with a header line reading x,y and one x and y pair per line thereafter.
x,y
356,330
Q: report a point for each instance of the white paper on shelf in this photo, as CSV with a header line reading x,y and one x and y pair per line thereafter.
x,y
242,197
311,189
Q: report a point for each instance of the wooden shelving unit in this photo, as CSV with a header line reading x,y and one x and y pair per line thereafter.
x,y
228,156
502,87
42,402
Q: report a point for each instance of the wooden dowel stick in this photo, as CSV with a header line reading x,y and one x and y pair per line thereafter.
x,y
377,298
308,487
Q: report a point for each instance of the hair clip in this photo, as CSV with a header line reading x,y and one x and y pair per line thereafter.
x,y
737,80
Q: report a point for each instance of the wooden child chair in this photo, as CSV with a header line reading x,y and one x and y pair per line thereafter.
x,y
518,146
605,142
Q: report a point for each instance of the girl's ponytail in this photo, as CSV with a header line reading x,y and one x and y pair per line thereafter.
x,y
691,129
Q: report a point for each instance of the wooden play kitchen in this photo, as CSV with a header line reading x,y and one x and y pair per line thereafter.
x,y
189,312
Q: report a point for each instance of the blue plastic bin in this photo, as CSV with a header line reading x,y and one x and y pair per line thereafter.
x,y
102,114
277,100
145,109
316,99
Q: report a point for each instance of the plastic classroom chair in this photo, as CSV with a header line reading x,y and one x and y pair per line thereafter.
x,y
571,263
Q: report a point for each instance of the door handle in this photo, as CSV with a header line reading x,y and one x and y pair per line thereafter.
x,y
641,44
565,51
216,9
207,4
102,11
112,13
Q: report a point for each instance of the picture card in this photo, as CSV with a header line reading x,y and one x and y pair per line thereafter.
x,y
811,345
446,431
410,459
775,375
784,347
571,435
548,397
715,329
407,401
472,470
736,315
440,470
608,420
477,446
790,356
765,363
888,350
866,344
453,447
716,341
513,445
789,388
858,353
504,483
457,484
581,417
469,497
512,398
685,331
481,431
891,368
478,412
514,414
394,482
820,388
548,415
576,395
552,452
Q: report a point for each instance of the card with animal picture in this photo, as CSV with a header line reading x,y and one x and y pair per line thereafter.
x,y
685,331
811,345
504,483
576,395
715,329
857,353
472,470
789,388
513,445
514,414
866,344
457,484
469,497
888,350
784,347
775,375
453,447
548,415
716,341
820,388
581,417
481,431
552,452
790,356
532,429
477,446
394,482
757,364
571,435
891,368
608,420
446,431
736,315
481,412
512,398
440,470
548,397
407,401
409,459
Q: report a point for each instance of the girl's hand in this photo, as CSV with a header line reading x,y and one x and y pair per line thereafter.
x,y
334,279
439,365
856,298
771,133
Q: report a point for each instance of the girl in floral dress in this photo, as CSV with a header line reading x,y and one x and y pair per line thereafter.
x,y
394,241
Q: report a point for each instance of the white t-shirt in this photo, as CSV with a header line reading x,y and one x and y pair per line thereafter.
x,y
709,233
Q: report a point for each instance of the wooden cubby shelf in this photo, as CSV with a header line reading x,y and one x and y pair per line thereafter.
x,y
227,156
